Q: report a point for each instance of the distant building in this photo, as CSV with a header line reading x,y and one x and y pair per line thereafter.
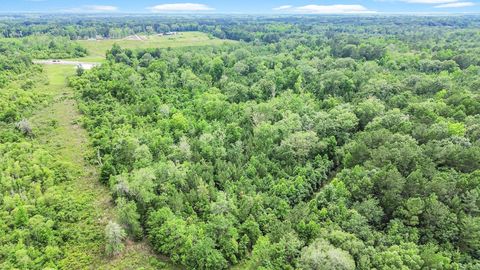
x,y
85,66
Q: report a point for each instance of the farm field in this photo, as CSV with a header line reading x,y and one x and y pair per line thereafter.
x,y
98,48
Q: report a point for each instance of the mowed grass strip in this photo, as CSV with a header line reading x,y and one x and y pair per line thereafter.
x,y
98,48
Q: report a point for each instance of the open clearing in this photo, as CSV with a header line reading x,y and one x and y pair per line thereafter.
x,y
97,48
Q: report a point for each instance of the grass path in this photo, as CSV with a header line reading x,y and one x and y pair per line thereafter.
x,y
57,128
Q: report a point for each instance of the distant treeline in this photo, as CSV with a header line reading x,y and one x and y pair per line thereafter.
x,y
247,28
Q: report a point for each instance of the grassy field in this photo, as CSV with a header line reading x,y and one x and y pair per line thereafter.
x,y
97,48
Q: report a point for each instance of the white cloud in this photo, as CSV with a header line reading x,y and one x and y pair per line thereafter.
x,y
429,1
442,3
333,9
326,9
91,9
285,7
456,5
179,7
98,8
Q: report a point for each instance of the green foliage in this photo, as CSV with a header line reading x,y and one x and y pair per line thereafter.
x,y
36,216
129,217
44,47
114,236
347,144
235,160
322,255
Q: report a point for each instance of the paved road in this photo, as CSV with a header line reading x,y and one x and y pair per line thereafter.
x,y
84,65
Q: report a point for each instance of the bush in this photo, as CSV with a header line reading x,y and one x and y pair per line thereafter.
x,y
24,127
114,236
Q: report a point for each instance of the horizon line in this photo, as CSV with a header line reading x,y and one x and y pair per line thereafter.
x,y
234,13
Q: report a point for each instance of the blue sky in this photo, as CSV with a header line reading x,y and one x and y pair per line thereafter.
x,y
242,6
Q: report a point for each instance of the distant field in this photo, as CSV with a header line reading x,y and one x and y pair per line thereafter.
x,y
97,48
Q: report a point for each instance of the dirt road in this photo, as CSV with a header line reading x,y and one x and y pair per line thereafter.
x,y
84,65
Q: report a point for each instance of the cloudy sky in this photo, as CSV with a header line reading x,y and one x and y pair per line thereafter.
x,y
243,6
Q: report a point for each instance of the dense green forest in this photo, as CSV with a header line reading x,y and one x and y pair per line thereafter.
x,y
314,143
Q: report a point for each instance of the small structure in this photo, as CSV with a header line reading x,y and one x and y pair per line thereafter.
x,y
86,66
